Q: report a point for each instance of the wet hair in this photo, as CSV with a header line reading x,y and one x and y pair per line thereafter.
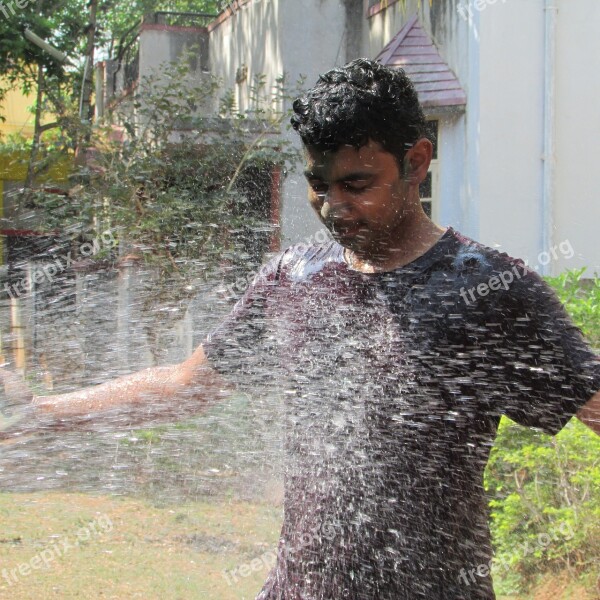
x,y
357,103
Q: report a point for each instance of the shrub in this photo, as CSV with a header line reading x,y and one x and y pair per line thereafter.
x,y
544,501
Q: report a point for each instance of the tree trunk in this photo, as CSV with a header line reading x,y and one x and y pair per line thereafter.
x,y
37,131
85,109
88,80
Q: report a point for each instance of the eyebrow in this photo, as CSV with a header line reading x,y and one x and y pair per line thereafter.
x,y
356,176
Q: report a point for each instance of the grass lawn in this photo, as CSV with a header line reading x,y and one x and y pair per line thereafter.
x,y
117,548
125,548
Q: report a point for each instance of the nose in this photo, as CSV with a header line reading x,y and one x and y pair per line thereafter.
x,y
336,206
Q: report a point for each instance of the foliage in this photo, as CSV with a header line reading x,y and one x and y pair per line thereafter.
x,y
117,18
581,298
60,23
545,513
64,24
544,503
162,172
53,149
169,174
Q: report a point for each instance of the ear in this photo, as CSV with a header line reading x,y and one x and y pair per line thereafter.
x,y
417,161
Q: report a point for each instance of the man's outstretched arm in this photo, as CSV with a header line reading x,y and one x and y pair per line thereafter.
x,y
590,413
177,389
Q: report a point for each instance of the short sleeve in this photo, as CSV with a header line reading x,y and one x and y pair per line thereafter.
x,y
238,347
548,370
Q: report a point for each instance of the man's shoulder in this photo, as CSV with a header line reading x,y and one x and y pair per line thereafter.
x,y
471,253
473,256
488,271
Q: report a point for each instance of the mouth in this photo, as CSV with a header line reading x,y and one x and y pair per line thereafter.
x,y
345,231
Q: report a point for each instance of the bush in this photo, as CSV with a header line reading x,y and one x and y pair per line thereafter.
x,y
181,180
545,508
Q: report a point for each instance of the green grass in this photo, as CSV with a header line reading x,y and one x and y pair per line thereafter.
x,y
155,552
169,552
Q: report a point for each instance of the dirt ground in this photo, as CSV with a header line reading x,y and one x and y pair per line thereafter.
x,y
558,587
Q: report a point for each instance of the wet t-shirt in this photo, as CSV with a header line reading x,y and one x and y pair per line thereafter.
x,y
393,386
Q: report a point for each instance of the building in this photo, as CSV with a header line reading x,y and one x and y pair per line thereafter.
x,y
509,86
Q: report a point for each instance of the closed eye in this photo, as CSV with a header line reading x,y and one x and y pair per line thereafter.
x,y
318,187
356,185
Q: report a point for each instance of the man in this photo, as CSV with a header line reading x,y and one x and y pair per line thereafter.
x,y
393,384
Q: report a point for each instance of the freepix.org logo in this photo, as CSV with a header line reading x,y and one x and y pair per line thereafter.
x,y
49,271
7,8
467,9
506,278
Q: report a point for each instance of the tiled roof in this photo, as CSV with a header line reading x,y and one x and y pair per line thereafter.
x,y
414,51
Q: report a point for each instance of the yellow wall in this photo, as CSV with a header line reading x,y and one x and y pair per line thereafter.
x,y
13,167
15,109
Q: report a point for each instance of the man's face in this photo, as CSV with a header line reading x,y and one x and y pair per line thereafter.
x,y
359,195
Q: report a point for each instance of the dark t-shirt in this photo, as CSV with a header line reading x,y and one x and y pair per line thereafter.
x,y
394,384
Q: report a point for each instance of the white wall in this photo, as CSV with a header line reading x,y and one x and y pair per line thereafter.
x,y
491,159
312,42
161,44
273,37
511,126
458,43
250,36
456,205
577,207
513,50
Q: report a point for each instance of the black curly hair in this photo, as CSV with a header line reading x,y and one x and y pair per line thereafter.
x,y
359,102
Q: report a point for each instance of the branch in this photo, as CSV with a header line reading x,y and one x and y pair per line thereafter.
x,y
49,126
248,152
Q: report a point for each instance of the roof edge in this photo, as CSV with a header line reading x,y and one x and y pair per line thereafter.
x,y
162,27
414,50
227,13
398,39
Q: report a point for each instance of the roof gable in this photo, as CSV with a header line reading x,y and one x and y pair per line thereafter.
x,y
413,50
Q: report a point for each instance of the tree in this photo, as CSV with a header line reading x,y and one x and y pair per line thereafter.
x,y
181,206
81,29
25,66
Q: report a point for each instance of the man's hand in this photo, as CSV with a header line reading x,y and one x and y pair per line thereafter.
x,y
15,400
590,413
170,392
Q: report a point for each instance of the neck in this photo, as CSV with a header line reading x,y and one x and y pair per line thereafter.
x,y
416,236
